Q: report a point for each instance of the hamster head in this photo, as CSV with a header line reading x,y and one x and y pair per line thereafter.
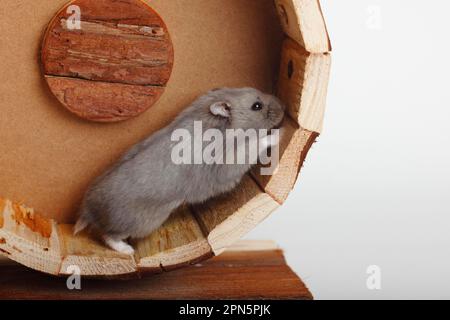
x,y
246,108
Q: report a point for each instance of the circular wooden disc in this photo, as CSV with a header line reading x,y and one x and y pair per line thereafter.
x,y
107,60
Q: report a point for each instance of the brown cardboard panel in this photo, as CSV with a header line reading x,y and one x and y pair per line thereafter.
x,y
48,156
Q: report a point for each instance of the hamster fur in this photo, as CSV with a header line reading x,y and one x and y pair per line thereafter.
x,y
137,194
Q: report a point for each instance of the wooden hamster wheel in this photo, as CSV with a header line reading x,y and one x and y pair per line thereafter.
x,y
197,233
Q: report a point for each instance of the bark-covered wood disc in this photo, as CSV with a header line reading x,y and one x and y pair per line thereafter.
x,y
107,60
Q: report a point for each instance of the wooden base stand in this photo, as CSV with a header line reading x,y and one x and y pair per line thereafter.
x,y
249,270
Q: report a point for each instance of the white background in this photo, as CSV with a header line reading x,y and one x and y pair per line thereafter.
x,y
375,189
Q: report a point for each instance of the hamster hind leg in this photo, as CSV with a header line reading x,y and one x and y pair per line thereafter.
x,y
118,245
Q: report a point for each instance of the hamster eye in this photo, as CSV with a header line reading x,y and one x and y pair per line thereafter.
x,y
257,106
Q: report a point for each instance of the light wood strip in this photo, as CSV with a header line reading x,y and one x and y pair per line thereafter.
x,y
231,216
302,20
28,238
295,142
303,85
179,241
91,256
253,246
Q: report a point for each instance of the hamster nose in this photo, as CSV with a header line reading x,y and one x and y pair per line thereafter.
x,y
280,104
275,102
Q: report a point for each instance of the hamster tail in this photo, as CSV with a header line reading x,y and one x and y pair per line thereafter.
x,y
81,224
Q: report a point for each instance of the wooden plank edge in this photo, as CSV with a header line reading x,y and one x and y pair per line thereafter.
x,y
55,261
177,257
330,45
29,239
246,245
29,254
241,222
291,162
304,22
303,84
180,241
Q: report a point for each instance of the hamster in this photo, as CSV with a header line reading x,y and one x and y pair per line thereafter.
x,y
137,194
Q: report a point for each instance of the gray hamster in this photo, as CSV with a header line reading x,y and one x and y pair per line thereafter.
x,y
137,194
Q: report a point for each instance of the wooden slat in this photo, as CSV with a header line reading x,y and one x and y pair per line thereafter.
x,y
111,101
231,216
302,20
29,239
295,144
92,257
253,245
303,84
138,58
41,244
178,242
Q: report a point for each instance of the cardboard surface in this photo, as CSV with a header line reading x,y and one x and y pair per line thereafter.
x,y
48,156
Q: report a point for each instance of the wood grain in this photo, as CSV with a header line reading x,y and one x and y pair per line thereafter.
x,y
41,244
115,66
228,218
303,84
180,241
302,20
29,239
294,146
103,101
248,274
92,257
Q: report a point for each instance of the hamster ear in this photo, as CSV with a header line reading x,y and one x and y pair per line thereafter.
x,y
221,109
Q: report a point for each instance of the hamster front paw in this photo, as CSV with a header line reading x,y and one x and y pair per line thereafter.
x,y
118,245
